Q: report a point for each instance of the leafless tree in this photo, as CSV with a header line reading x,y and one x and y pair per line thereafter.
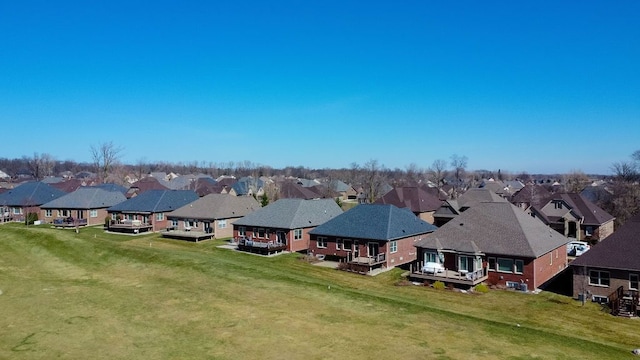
x,y
105,156
438,172
575,181
372,180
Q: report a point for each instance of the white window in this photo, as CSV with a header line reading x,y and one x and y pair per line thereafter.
x,y
588,230
159,216
222,224
633,281
598,278
505,265
48,213
519,269
347,244
393,246
242,231
93,213
174,223
322,242
297,234
114,216
17,211
492,264
465,263
339,244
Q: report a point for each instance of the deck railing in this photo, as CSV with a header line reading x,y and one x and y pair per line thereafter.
x,y
453,274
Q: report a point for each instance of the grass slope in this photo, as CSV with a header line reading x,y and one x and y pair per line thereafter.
x,y
103,296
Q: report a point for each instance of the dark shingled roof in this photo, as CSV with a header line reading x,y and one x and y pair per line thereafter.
x,y
411,197
87,197
497,228
30,194
620,250
153,201
376,222
292,214
289,189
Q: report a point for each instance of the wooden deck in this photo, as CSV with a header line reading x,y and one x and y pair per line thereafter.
x,y
69,222
187,235
264,248
449,276
129,228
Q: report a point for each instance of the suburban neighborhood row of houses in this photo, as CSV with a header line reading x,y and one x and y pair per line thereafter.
x,y
505,235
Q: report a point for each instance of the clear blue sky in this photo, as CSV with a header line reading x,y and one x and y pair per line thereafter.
x,y
530,86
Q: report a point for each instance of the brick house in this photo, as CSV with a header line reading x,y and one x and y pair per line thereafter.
x,y
371,236
84,206
422,203
26,198
492,242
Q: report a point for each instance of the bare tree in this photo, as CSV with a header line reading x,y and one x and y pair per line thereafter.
x,y
459,164
105,156
372,180
438,172
575,181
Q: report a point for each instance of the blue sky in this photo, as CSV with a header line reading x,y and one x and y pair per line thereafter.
x,y
529,86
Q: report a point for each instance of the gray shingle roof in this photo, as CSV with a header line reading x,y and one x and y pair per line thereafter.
x,y
412,197
153,201
497,228
292,214
86,198
620,250
217,206
29,194
376,222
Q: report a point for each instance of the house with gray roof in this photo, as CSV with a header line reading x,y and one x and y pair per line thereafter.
x,y
492,242
211,216
285,224
148,211
574,216
26,198
610,270
370,237
454,207
85,206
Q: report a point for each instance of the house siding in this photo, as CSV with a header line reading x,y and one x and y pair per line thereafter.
x,y
271,235
427,216
617,278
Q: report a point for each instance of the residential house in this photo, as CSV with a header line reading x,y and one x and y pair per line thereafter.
x,y
610,271
26,198
451,208
211,216
492,242
574,216
370,236
283,224
144,184
84,206
148,211
416,199
293,190
530,195
247,186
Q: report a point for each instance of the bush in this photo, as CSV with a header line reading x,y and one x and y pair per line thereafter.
x,y
438,285
482,288
31,218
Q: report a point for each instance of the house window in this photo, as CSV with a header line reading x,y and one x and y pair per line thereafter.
x,y
322,242
261,233
492,264
297,234
222,224
174,223
242,231
588,230
114,216
465,263
430,256
93,213
347,245
393,247
339,244
598,278
48,213
633,281
159,216
17,211
557,204
505,265
519,266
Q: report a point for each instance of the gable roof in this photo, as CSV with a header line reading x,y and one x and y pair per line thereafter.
x,y
292,214
143,185
217,206
153,201
532,194
620,250
414,198
88,197
112,187
375,222
497,228
590,212
30,193
290,189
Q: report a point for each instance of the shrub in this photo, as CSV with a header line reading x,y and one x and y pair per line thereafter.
x,y
31,218
482,288
438,285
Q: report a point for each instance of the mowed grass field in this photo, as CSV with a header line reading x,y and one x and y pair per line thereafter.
x,y
93,295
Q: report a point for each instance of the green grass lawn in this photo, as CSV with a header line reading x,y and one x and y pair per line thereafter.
x,y
101,296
